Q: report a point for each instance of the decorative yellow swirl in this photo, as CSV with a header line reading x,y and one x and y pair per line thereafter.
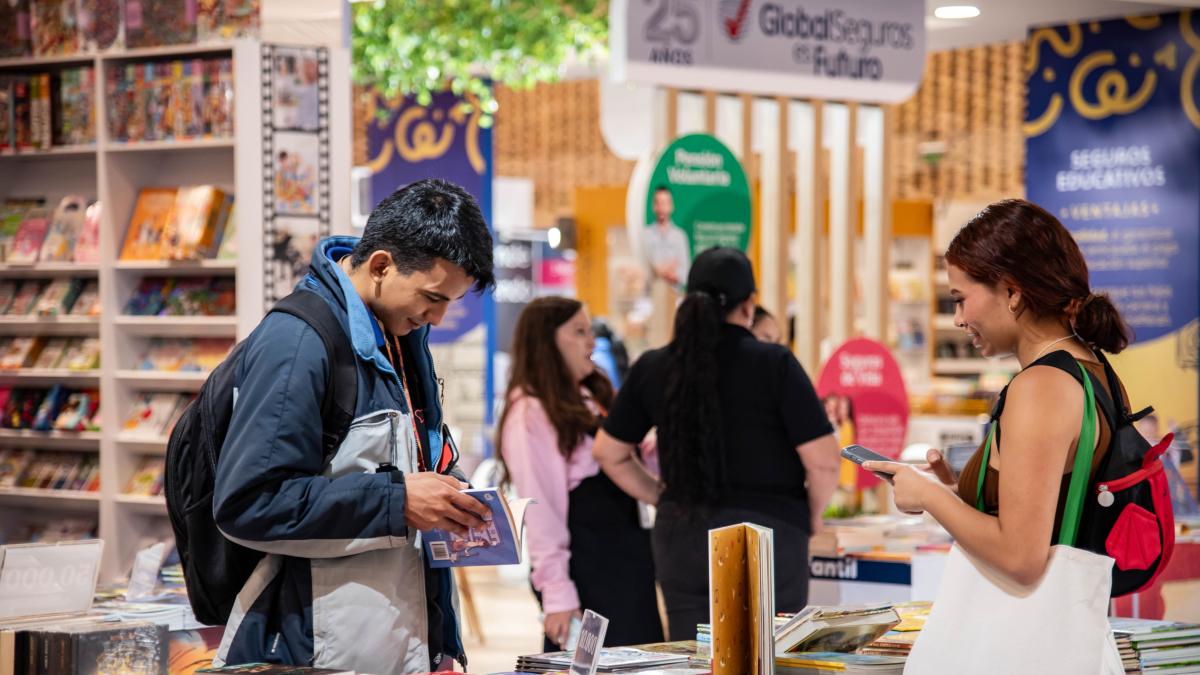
x,y
425,142
1065,48
1187,82
1144,22
1112,89
1046,120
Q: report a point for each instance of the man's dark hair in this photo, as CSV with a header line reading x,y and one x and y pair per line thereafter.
x,y
425,220
662,188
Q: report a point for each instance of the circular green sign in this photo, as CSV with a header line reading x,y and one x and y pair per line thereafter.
x,y
708,192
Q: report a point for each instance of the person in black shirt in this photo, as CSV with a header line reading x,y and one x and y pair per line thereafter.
x,y
742,437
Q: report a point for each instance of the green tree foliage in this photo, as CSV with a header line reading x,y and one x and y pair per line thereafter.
x,y
420,47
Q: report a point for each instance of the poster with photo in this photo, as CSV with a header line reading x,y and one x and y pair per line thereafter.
x,y
296,158
291,249
295,87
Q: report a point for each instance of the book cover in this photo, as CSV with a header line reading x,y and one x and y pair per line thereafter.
x,y
26,297
87,247
147,480
55,28
58,297
49,408
20,351
498,542
191,297
13,463
85,357
206,354
144,238
100,25
21,409
220,20
76,411
121,647
835,629
7,142
88,302
156,23
15,29
51,354
8,293
192,229
41,126
165,355
150,413
228,249
28,242
10,222
21,122
64,230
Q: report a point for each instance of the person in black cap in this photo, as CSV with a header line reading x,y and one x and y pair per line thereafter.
x,y
742,437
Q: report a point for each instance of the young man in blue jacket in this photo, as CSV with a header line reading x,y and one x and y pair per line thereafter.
x,y
345,584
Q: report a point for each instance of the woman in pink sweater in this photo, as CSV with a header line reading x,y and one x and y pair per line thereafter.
x,y
586,545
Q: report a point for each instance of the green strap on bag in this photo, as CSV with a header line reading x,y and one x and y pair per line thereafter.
x,y
1080,473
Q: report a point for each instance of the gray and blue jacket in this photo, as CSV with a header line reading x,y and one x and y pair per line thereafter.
x,y
344,584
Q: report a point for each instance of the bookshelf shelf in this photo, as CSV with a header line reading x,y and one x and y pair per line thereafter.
x,y
178,326
34,63
152,380
48,377
141,53
143,504
49,326
74,500
178,268
180,145
48,270
51,440
142,444
58,151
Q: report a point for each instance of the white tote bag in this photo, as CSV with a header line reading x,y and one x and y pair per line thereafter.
x,y
983,623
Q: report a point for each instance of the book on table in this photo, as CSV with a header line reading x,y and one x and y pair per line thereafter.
x,y
835,629
741,573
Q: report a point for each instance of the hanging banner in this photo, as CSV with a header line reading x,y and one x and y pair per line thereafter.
x,y
865,399
698,198
853,50
1113,150
442,140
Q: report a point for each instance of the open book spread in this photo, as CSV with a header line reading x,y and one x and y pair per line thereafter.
x,y
498,542
741,576
835,629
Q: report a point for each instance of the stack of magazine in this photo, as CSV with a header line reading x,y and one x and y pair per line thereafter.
x,y
817,663
612,660
1158,647
835,629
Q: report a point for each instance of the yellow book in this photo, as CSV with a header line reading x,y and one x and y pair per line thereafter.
x,y
144,238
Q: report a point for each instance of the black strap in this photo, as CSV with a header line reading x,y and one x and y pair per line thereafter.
x,y
1064,361
341,391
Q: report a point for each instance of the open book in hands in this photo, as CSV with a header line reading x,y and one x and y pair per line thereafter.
x,y
498,542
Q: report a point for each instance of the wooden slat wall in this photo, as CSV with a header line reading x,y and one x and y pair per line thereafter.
x,y
974,101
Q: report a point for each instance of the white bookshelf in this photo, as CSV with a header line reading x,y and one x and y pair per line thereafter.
x,y
114,172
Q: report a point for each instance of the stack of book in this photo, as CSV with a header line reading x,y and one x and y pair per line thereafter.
x,y
30,232
817,663
42,110
49,470
86,644
201,296
612,660
78,354
835,629
58,297
171,100
1157,647
184,223
56,409
900,640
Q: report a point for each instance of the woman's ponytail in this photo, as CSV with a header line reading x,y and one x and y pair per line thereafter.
x,y
1100,324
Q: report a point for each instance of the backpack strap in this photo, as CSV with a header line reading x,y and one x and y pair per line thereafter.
x,y
1114,385
341,391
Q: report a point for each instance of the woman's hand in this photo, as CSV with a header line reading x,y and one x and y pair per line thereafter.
x,y
558,625
912,485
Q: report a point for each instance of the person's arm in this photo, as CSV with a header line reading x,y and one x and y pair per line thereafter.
x,y
821,461
269,492
621,464
539,471
1040,425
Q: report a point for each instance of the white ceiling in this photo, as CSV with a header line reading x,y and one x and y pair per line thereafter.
x,y
320,21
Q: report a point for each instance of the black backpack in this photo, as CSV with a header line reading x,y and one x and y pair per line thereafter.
x,y
215,568
1127,512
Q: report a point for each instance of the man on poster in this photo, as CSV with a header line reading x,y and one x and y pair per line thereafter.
x,y
664,244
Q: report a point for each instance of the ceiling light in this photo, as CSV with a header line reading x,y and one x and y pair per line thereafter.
x,y
554,237
956,12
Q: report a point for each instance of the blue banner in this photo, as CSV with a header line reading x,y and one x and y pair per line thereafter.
x,y
1113,149
409,142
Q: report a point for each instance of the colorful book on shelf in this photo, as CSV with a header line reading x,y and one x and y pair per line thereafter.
x,y
52,353
194,224
149,296
7,140
82,355
39,111
144,238
64,230
27,245
10,218
165,355
21,123
26,298
14,29
55,28
78,410
498,542
220,20
21,409
150,413
13,463
8,293
228,248
58,297
206,354
50,407
19,352
147,481
101,25
156,23
88,302
87,247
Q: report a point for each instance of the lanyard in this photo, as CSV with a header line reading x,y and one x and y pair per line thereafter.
x,y
397,358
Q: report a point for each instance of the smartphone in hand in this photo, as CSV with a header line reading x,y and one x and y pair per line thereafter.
x,y
858,454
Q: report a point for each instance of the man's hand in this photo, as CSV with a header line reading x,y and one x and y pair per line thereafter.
x,y
558,626
433,501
